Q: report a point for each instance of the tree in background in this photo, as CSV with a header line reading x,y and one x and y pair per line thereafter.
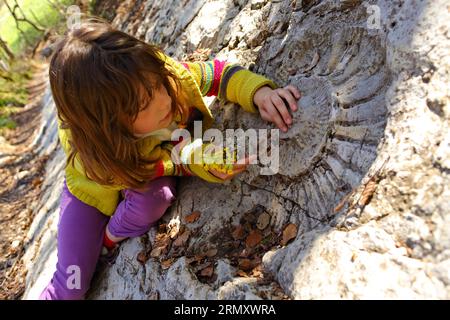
x,y
19,16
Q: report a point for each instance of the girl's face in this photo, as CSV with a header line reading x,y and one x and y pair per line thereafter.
x,y
157,114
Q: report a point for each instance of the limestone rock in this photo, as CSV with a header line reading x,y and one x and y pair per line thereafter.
x,y
375,106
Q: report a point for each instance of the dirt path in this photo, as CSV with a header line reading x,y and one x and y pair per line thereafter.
x,y
20,183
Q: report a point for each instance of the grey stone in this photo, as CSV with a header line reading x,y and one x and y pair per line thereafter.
x,y
375,103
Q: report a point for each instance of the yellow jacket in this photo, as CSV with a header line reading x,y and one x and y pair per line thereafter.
x,y
197,81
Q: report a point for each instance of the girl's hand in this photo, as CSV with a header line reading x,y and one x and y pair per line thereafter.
x,y
239,166
272,107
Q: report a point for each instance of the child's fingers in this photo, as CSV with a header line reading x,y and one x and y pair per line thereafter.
x,y
218,174
225,176
237,168
297,94
286,94
276,117
282,108
236,171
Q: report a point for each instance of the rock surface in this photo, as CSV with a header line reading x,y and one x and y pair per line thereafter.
x,y
364,170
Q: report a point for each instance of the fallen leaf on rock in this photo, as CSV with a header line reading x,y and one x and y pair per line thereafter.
x,y
238,233
263,221
182,239
253,238
192,259
207,272
258,266
242,274
156,252
202,266
289,233
371,185
161,246
165,264
197,258
211,252
245,264
369,190
173,228
37,181
342,203
257,273
142,257
192,217
162,240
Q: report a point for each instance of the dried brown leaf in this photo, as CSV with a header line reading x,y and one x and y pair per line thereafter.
x,y
182,239
245,264
162,240
165,264
253,238
37,181
289,233
342,203
156,252
238,233
196,259
369,190
207,272
192,217
211,252
263,221
242,274
142,257
257,273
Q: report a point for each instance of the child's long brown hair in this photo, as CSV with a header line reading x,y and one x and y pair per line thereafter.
x,y
95,76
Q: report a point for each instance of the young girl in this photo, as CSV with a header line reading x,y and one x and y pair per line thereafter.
x,y
118,99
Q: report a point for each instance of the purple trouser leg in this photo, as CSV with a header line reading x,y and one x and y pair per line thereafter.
x,y
81,228
141,209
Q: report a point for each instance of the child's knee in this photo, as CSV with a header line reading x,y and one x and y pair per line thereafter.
x,y
158,199
161,190
167,194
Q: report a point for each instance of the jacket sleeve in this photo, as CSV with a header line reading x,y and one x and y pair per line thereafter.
x,y
228,81
181,162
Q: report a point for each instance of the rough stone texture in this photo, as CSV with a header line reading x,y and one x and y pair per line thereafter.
x,y
375,111
40,243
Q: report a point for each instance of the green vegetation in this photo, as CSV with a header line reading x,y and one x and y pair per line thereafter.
x,y
41,12
46,15
13,94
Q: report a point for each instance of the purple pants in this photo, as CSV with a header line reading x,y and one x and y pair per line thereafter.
x,y
81,228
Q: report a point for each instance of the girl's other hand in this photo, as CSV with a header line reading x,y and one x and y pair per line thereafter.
x,y
239,166
272,107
